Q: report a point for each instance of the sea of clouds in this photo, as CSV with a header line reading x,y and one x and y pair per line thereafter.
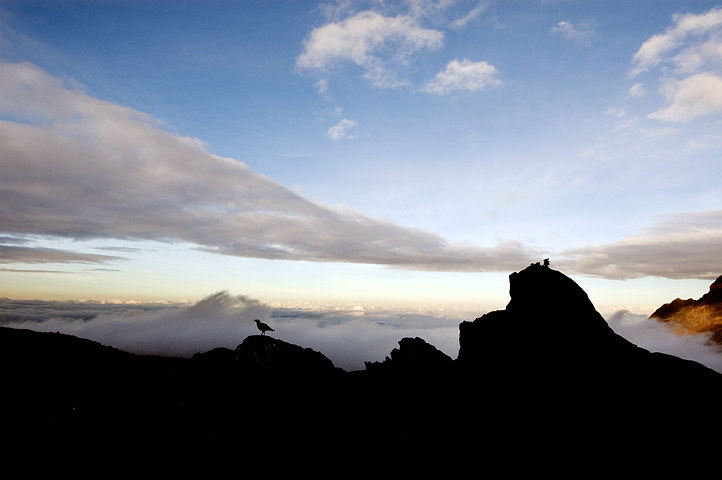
x,y
348,334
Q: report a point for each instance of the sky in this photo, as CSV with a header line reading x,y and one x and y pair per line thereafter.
x,y
359,153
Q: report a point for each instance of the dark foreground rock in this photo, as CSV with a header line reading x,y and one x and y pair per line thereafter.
x,y
542,386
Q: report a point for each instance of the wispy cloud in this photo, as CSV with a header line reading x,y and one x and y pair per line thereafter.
x,y
657,48
15,254
322,87
463,76
341,130
637,90
363,39
692,47
616,112
567,30
473,13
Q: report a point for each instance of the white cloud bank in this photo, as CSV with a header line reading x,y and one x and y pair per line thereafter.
x,y
464,75
656,337
224,320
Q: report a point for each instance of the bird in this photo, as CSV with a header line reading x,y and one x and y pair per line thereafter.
x,y
263,327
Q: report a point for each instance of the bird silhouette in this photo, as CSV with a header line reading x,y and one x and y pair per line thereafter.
x,y
263,327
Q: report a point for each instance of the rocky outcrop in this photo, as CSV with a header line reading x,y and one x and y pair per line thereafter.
x,y
550,333
690,316
413,356
267,355
544,380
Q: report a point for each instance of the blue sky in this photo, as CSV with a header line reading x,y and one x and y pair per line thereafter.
x,y
411,151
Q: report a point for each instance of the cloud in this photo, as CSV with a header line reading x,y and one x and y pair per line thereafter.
x,y
347,336
464,75
473,13
219,320
340,130
428,8
682,246
567,30
616,112
656,337
322,86
637,90
659,132
657,48
690,98
362,39
693,48
14,254
81,168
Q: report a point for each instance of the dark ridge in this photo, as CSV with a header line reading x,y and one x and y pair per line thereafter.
x,y
543,386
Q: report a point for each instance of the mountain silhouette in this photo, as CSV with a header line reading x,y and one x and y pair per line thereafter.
x,y
542,385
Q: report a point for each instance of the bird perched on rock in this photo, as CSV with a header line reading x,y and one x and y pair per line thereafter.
x,y
263,327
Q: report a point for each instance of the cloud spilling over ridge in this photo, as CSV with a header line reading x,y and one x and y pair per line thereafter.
x,y
79,168
656,337
693,48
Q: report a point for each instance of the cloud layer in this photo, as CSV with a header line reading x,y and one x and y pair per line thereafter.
x,y
347,337
74,167
79,168
681,246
